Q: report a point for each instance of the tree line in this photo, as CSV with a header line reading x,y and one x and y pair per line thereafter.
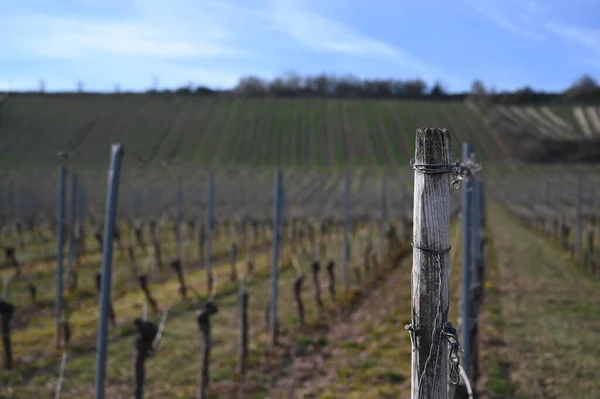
x,y
585,90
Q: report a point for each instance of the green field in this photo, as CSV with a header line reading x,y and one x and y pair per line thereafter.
x,y
224,131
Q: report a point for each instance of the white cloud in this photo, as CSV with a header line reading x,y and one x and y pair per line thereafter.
x,y
320,33
545,20
79,37
112,40
579,35
518,17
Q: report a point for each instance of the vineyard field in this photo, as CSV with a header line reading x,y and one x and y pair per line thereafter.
x,y
225,131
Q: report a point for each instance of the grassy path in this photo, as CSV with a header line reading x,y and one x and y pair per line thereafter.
x,y
367,355
550,312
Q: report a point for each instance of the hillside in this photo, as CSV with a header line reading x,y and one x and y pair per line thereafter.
x,y
223,131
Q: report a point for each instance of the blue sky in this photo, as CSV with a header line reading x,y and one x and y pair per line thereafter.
x,y
546,44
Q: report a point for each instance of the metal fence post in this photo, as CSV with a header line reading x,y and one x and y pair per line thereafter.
x,y
72,220
346,253
112,196
178,217
210,220
277,211
383,213
467,150
579,216
60,216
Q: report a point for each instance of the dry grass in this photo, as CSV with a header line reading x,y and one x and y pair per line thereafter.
x,y
550,311
175,370
367,355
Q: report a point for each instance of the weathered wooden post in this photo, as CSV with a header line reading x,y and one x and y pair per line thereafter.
x,y
431,241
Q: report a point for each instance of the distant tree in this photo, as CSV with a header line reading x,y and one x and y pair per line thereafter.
x,y
42,86
585,83
79,86
251,86
204,90
319,85
437,90
415,87
277,88
349,86
117,88
584,88
479,96
477,88
523,95
186,89
293,82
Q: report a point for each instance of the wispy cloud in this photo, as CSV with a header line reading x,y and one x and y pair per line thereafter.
x,y
576,34
517,17
153,33
544,20
317,32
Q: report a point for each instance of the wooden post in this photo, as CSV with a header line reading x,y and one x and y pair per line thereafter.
x,y
430,286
